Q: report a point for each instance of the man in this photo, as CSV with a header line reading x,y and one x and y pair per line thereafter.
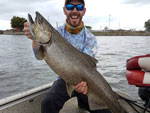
x,y
81,38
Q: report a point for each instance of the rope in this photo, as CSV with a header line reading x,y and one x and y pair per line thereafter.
x,y
130,102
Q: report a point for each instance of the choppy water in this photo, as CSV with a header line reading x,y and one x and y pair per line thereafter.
x,y
20,71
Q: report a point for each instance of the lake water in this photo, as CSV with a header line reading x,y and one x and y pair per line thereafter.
x,y
20,71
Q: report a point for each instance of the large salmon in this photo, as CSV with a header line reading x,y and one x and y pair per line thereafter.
x,y
72,65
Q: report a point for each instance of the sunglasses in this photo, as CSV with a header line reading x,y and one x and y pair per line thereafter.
x,y
79,7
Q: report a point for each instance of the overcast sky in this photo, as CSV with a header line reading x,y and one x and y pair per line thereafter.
x,y
125,14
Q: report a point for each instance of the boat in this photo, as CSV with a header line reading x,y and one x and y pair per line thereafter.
x,y
30,102
24,102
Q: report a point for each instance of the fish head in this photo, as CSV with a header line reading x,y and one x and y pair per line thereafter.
x,y
40,29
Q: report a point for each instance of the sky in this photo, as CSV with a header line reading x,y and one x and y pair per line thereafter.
x,y
115,14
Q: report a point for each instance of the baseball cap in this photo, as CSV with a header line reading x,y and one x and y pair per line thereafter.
x,y
67,1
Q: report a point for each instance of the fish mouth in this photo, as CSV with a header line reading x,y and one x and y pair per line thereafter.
x,y
39,18
38,36
31,24
30,19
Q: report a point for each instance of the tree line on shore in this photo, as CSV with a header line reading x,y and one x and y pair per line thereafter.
x,y
18,22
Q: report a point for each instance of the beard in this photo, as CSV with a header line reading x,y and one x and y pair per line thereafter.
x,y
74,19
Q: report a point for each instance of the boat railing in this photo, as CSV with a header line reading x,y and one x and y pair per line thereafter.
x,y
26,96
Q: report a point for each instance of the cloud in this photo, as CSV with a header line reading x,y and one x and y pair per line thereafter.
x,y
137,2
123,12
50,9
23,7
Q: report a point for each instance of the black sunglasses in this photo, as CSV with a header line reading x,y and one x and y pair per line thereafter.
x,y
79,7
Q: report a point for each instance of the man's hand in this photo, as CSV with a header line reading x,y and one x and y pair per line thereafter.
x,y
27,33
81,87
26,30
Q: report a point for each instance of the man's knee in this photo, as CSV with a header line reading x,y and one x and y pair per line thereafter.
x,y
48,100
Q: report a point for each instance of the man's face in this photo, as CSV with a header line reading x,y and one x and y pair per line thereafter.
x,y
74,17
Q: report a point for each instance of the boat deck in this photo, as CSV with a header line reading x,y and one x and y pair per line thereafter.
x,y
30,102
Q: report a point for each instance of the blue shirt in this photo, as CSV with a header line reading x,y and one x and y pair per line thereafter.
x,y
85,41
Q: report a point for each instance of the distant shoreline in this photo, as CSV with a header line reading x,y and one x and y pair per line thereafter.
x,y
121,33
12,33
96,33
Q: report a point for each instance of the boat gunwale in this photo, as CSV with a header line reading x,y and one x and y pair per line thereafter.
x,y
24,94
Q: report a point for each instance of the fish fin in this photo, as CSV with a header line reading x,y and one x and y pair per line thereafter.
x,y
70,89
95,102
92,61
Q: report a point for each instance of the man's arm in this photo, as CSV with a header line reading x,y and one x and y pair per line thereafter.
x,y
90,46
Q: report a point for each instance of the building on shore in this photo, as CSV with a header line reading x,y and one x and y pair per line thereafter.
x,y
1,32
